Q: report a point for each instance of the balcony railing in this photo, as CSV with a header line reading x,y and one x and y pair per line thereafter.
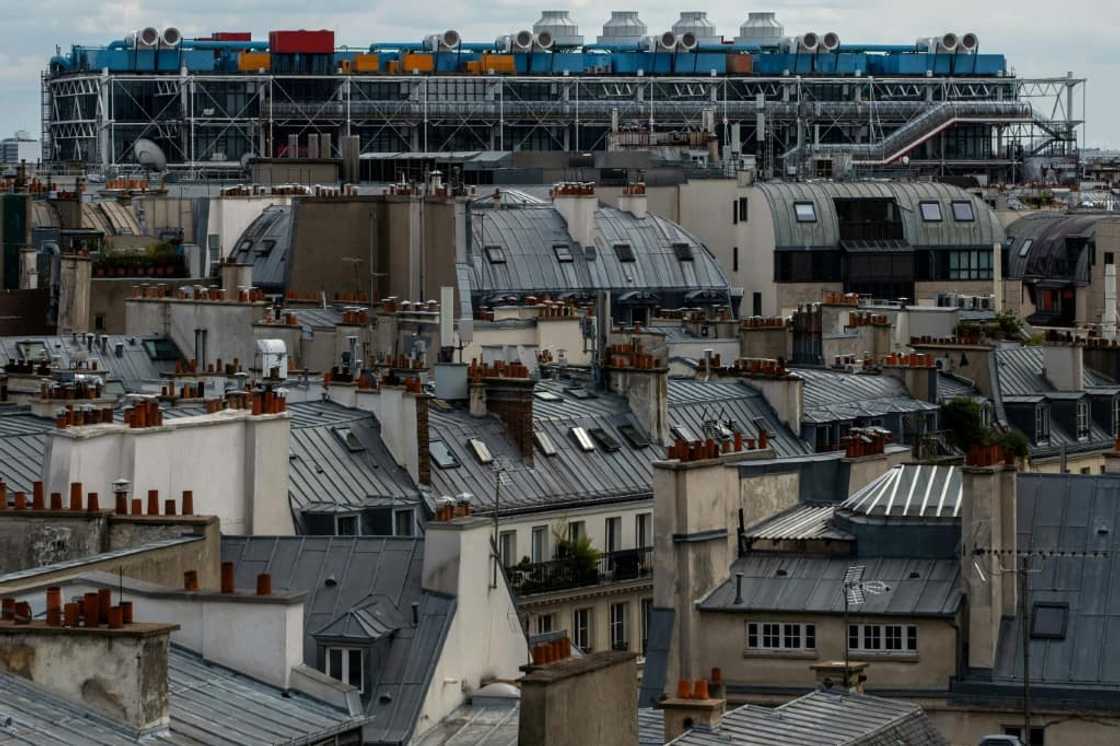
x,y
567,573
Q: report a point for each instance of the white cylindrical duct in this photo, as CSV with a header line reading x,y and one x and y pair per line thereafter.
x,y
522,40
542,40
807,42
970,42
171,37
946,43
667,40
830,42
687,41
441,42
146,37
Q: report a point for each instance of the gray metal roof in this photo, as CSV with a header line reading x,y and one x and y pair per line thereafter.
x,y
1080,516
325,473
799,522
950,386
527,235
23,447
811,585
269,260
651,726
1047,257
832,396
133,368
822,718
984,231
911,491
208,704
574,476
358,568
1019,370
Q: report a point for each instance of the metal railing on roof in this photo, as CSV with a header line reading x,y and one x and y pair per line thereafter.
x,y
573,572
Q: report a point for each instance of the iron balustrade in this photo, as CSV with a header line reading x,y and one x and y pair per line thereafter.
x,y
566,573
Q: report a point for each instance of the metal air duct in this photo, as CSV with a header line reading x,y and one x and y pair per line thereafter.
x,y
807,42
970,42
830,42
449,39
542,40
667,41
145,38
946,43
687,41
171,37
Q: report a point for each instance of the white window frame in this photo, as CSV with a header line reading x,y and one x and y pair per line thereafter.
x,y
876,639
582,620
776,635
344,673
805,217
339,517
576,530
612,533
545,623
507,548
643,523
619,628
398,515
1082,420
539,544
936,216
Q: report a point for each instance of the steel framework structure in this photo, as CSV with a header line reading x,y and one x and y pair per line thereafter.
x,y
208,122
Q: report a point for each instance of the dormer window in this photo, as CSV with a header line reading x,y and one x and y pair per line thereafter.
x,y
1042,424
1082,420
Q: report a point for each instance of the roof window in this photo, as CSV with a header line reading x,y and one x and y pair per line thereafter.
x,y
1026,248
683,251
963,212
347,437
583,440
548,396
805,212
563,252
681,432
1048,621
931,211
480,450
606,441
443,456
624,252
544,443
635,437
495,254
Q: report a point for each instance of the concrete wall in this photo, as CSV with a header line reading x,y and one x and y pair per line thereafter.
x,y
32,541
724,644
236,464
107,302
229,326
964,726
793,294
485,641
74,294
580,701
120,674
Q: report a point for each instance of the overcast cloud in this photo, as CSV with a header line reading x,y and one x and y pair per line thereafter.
x,y
1041,38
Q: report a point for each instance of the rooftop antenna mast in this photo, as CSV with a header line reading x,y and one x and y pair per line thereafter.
x,y
855,590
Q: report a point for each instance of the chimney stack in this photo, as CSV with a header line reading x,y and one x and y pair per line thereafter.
x,y
693,707
1064,361
581,700
577,204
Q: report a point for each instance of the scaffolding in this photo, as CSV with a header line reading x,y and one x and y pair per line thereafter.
x,y
210,122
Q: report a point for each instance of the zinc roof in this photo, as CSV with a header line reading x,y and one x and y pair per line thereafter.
x,y
812,585
1019,370
270,261
911,491
984,231
133,368
1046,256
832,396
821,718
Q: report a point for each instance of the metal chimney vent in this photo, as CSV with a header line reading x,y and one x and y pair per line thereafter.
x,y
559,23
624,27
761,29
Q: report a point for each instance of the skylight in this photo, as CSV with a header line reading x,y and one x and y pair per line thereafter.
x,y
683,252
443,456
606,441
806,212
931,211
583,440
578,393
624,252
544,443
563,252
548,396
1048,621
1026,248
495,254
480,450
963,212
682,432
635,437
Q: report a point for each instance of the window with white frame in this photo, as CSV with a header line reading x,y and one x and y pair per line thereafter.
x,y
1082,420
1041,424
402,522
613,531
901,639
345,664
581,629
576,531
642,533
346,525
545,623
540,544
620,637
507,547
781,636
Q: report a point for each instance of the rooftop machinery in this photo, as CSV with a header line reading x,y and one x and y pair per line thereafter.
x,y
788,100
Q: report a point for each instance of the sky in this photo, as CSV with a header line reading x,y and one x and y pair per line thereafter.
x,y
1041,38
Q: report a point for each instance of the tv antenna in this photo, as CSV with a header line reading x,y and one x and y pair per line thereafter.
x,y
856,590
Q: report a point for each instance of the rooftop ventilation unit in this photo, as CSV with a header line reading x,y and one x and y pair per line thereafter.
x,y
761,29
145,38
449,39
944,44
807,42
521,41
558,24
170,37
542,40
696,22
623,27
830,42
970,43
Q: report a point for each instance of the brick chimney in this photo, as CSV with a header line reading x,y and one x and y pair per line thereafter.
x,y
643,379
511,399
581,700
917,372
989,545
119,672
403,414
694,706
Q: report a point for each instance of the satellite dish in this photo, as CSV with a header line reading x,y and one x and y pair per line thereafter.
x,y
149,155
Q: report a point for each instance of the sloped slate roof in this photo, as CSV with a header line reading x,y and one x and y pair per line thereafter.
x,y
133,368
1020,372
1046,256
372,619
912,491
358,567
822,718
1080,516
832,396
528,234
208,704
984,231
812,585
266,244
